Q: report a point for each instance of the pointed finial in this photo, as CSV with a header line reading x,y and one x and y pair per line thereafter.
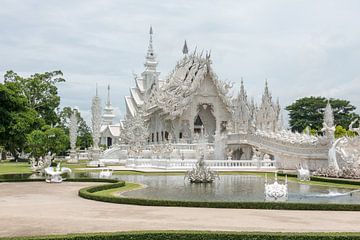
x,y
266,92
96,89
108,96
185,49
150,56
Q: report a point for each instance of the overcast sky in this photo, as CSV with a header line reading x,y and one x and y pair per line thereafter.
x,y
303,48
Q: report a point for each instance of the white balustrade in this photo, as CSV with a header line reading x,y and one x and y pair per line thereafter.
x,y
173,164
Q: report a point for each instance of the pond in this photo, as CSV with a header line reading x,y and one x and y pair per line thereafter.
x,y
230,188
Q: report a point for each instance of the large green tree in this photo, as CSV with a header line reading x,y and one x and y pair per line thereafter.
x,y
17,118
84,139
47,140
41,92
309,111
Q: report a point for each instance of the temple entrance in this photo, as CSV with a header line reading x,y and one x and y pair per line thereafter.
x,y
109,141
205,120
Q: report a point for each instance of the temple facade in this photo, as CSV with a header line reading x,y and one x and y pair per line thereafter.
x,y
191,108
192,100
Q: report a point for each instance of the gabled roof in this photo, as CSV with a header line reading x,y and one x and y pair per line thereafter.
x,y
183,82
113,129
130,105
137,96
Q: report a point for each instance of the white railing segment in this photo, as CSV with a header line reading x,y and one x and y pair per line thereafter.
x,y
174,164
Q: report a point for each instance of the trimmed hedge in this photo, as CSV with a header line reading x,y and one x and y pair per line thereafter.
x,y
88,193
195,235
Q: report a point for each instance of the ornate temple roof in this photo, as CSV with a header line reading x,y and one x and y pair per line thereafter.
x,y
183,82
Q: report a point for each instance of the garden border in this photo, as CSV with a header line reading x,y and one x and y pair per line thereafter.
x,y
88,193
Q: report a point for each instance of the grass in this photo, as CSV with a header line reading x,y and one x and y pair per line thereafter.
x,y
13,167
7,167
114,191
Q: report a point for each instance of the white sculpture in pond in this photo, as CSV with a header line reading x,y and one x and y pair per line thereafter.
x,y
276,192
200,173
303,174
54,174
106,173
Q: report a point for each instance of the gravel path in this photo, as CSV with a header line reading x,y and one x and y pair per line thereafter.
x,y
38,208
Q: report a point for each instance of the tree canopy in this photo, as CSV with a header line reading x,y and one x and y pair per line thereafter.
x,y
309,111
47,140
41,92
27,104
17,118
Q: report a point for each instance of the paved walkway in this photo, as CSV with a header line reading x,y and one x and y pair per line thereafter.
x,y
37,208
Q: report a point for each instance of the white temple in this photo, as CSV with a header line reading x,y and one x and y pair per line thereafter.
x,y
193,103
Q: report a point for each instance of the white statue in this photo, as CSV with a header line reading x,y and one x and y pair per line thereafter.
x,y
96,125
276,192
73,137
42,163
303,174
200,173
54,174
351,128
106,173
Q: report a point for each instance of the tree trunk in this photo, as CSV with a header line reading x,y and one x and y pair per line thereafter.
x,y
3,155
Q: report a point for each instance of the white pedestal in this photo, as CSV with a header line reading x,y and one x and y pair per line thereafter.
x,y
95,154
73,157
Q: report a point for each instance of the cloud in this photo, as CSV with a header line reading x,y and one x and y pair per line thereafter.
x,y
303,47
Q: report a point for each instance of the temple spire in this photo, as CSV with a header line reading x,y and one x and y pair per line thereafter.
x,y
266,96
108,114
185,49
150,61
242,93
108,103
150,52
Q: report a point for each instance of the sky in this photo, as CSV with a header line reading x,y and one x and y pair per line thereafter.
x,y
304,48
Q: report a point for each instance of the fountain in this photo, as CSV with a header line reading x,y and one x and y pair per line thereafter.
x,y
54,174
276,192
200,173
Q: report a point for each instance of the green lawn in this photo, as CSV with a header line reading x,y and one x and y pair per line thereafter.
x,y
110,192
7,167
12,167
